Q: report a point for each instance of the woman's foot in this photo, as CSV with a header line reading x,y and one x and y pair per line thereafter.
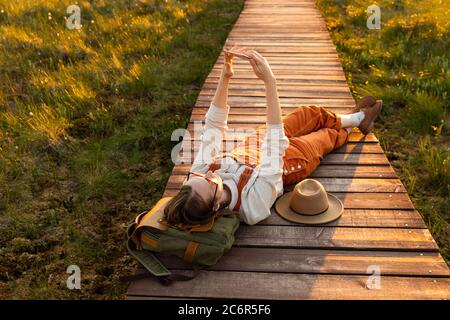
x,y
370,115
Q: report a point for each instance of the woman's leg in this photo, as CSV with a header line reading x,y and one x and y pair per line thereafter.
x,y
307,119
305,146
305,152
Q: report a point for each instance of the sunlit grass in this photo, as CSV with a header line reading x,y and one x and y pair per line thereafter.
x,y
48,122
437,162
423,113
85,123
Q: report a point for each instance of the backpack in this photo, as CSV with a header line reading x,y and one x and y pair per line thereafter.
x,y
200,245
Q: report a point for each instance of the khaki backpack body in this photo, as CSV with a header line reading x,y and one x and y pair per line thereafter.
x,y
200,245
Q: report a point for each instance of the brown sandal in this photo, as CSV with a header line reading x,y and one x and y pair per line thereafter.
x,y
365,102
370,115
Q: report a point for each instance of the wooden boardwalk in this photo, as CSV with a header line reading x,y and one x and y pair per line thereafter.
x,y
379,228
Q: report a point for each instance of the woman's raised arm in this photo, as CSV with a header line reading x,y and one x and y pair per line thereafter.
x,y
221,96
264,72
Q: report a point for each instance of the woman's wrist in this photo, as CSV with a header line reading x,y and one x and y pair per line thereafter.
x,y
270,80
225,76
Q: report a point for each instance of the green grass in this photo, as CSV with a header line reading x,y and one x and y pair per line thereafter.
x,y
86,118
405,63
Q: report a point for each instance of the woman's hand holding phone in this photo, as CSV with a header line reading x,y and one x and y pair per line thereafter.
x,y
260,66
228,71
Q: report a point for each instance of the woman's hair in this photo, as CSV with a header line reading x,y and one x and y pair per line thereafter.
x,y
187,207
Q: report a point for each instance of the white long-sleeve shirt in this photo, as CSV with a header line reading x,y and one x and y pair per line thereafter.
x,y
265,184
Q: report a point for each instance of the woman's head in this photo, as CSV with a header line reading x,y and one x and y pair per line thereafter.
x,y
198,199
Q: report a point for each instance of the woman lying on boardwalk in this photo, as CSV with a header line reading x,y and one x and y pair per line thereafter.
x,y
283,152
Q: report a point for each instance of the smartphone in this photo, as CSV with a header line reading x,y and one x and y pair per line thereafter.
x,y
238,54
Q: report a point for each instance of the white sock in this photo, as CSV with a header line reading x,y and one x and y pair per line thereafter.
x,y
351,120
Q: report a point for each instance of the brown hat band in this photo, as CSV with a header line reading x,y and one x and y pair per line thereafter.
x,y
313,214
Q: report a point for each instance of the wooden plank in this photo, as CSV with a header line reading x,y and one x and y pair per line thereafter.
x,y
333,184
371,218
241,130
337,80
256,111
260,285
335,238
329,171
306,93
331,158
240,118
375,200
287,87
275,26
350,147
287,44
331,93
285,102
356,171
240,89
317,77
284,69
309,18
357,200
290,39
284,72
323,262
349,158
252,28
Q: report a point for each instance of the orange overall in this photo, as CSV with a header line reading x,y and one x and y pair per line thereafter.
x,y
312,131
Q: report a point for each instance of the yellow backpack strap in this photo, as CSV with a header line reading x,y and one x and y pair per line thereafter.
x,y
191,249
154,216
151,219
192,227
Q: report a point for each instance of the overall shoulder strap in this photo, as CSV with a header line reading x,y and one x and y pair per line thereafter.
x,y
243,179
214,166
245,176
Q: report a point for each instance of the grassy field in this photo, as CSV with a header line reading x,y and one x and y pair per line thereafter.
x,y
405,63
86,118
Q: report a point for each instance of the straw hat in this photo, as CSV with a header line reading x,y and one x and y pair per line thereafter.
x,y
309,203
